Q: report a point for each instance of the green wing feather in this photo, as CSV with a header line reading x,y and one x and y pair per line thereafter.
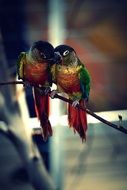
x,y
20,63
84,77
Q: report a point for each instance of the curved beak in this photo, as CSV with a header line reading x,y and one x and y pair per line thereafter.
x,y
56,59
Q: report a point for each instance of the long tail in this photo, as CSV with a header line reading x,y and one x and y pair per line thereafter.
x,y
42,109
78,120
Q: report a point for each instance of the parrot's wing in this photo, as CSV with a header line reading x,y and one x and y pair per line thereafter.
x,y
84,77
20,63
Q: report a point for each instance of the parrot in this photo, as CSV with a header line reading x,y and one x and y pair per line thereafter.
x,y
72,78
33,67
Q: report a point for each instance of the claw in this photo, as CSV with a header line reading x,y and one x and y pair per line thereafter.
x,y
26,84
53,93
43,90
75,103
47,90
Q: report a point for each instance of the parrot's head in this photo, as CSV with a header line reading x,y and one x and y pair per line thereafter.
x,y
43,52
68,55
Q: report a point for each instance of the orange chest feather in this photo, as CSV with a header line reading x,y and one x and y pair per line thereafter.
x,y
36,73
68,79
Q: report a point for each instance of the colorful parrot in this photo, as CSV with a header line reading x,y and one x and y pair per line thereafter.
x,y
73,79
33,68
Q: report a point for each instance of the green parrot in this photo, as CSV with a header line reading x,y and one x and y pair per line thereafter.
x,y
33,67
72,78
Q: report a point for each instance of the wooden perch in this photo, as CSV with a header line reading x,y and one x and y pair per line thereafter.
x,y
117,127
11,82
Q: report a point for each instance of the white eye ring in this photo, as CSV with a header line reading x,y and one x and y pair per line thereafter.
x,y
65,53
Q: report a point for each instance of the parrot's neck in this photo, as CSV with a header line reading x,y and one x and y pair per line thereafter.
x,y
75,61
71,62
30,58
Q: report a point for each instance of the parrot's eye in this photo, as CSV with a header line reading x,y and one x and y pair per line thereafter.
x,y
65,53
43,55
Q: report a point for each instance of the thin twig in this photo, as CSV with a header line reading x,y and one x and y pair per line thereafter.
x,y
117,127
11,82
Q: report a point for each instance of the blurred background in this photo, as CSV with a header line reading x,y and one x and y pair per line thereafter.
x,y
97,31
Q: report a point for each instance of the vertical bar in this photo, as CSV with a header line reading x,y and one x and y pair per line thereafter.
x,y
56,32
56,22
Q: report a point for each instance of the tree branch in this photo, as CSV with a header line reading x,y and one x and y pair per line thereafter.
x,y
117,127
11,82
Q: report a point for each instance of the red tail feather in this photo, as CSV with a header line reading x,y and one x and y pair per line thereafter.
x,y
42,109
78,120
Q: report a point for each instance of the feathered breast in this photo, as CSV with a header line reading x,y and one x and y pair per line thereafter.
x,y
36,73
68,79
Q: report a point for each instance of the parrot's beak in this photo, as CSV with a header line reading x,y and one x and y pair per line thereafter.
x,y
56,59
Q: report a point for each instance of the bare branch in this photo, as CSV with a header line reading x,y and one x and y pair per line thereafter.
x,y
117,127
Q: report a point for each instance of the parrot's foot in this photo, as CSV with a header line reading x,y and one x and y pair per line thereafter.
x,y
47,90
43,90
53,93
26,84
75,103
